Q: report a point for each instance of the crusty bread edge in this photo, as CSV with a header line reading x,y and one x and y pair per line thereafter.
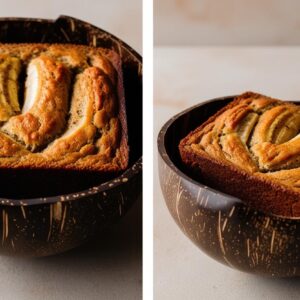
x,y
124,149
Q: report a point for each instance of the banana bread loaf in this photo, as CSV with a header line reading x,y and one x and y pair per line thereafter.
x,y
251,150
62,107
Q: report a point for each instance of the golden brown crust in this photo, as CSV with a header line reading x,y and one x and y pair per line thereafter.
x,y
66,123
250,149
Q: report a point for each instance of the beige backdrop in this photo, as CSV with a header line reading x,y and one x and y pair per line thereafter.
x,y
123,18
227,22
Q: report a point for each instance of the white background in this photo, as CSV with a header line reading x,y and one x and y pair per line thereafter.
x,y
110,266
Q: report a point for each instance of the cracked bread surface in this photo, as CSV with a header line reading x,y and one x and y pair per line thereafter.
x,y
73,112
251,150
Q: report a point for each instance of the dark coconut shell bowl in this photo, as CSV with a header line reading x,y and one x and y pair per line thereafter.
x,y
224,227
48,212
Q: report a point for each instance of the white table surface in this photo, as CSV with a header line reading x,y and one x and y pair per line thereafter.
x,y
183,77
110,267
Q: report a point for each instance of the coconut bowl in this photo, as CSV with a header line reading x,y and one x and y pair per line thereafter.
x,y
47,212
223,226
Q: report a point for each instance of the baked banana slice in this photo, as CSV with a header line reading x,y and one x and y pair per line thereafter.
x,y
10,68
46,104
91,117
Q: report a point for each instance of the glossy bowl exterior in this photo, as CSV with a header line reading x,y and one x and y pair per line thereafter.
x,y
50,225
222,226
